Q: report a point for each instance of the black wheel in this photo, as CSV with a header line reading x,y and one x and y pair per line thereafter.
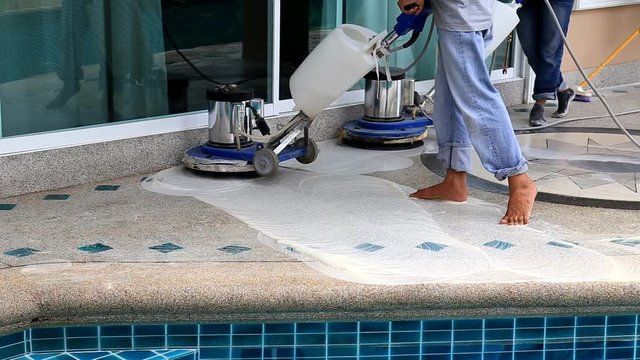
x,y
266,162
312,151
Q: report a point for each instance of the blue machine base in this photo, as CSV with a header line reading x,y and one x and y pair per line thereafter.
x,y
407,128
210,152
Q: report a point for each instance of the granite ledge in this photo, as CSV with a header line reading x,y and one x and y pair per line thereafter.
x,y
66,294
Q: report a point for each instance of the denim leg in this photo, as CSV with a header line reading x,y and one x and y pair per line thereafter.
x,y
542,44
467,100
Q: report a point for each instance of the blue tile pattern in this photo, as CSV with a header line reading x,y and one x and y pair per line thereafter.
x,y
544,338
57,197
107,187
21,252
95,248
431,246
166,247
498,244
368,247
234,249
6,207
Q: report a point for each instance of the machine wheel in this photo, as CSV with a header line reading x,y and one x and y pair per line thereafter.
x,y
312,151
266,162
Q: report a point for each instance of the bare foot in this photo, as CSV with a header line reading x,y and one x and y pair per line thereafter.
x,y
453,188
522,194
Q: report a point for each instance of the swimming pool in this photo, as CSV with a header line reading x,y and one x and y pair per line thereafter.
x,y
544,338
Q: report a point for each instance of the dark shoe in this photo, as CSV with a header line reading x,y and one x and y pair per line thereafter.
x,y
565,97
536,117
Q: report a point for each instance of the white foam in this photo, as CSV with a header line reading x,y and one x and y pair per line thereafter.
x,y
365,229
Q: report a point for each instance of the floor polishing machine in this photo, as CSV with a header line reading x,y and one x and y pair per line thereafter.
x,y
339,61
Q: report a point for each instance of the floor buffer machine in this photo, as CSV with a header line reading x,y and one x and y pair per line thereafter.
x,y
340,60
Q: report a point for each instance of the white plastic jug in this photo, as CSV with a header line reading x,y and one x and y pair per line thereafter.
x,y
334,66
505,19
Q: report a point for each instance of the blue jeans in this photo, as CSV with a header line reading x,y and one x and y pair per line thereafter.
x,y
542,44
469,112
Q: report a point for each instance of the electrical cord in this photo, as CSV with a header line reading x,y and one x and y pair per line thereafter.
x,y
584,75
564,121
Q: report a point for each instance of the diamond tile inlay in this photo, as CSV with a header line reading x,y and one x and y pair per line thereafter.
x,y
56,197
234,249
431,246
626,242
368,247
22,252
166,247
500,245
560,244
7,206
107,187
95,248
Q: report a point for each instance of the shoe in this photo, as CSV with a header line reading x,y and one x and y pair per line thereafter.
x,y
565,97
536,117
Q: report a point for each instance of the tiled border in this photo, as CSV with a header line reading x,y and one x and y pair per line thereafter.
x,y
537,338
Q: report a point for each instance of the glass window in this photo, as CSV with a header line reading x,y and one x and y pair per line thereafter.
x,y
68,64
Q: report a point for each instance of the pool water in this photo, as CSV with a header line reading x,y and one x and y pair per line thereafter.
x,y
544,338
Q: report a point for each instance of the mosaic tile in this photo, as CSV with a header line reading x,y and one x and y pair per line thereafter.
x,y
7,207
166,248
368,247
625,242
431,246
234,249
22,252
95,248
500,245
56,197
107,187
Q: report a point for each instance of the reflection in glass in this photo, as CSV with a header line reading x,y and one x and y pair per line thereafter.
x,y
76,63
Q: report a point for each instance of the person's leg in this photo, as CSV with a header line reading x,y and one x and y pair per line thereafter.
x,y
562,10
454,145
529,30
486,118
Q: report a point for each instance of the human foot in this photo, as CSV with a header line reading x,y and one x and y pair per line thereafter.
x,y
522,194
453,188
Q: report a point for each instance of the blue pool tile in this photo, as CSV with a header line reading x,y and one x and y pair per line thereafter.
x,y
215,353
116,343
42,356
81,331
47,333
342,327
467,324
149,342
342,350
76,344
437,335
140,330
437,348
7,207
279,340
89,355
467,335
215,340
561,321
11,351
11,339
374,326
182,341
590,320
405,337
182,329
311,327
166,248
95,248
63,356
246,353
278,328
342,338
21,252
431,246
47,345
405,325
107,187
437,357
395,350
60,197
135,355
590,354
320,339
215,329
622,320
116,330
474,356
529,355
246,329
234,249
246,340
437,325
536,322
368,247
498,334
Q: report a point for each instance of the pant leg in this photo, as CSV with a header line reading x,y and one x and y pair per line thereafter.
x,y
545,57
454,145
479,104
